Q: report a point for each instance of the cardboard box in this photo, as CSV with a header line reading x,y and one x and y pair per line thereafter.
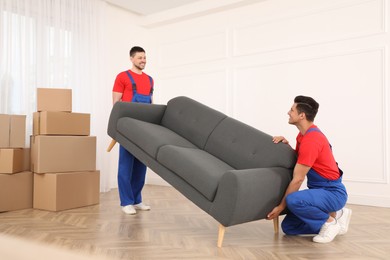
x,y
4,130
61,123
12,131
11,160
54,99
16,191
26,159
63,153
61,191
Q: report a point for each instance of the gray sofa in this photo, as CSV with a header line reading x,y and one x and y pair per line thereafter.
x,y
232,171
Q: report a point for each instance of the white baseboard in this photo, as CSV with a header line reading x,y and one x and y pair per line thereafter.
x,y
153,179
376,201
369,201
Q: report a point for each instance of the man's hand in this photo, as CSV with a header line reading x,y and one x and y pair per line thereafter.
x,y
275,212
300,172
278,139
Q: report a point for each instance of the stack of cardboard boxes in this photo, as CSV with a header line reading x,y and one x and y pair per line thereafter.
x,y
16,181
63,154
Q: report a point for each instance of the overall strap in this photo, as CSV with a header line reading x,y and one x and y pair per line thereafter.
x,y
151,85
316,129
134,86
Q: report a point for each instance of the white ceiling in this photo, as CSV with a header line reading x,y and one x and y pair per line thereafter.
x,y
154,13
148,7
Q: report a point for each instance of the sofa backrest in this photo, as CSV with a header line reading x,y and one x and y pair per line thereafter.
x,y
244,147
191,119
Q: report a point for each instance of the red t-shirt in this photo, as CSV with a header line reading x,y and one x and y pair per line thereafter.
x,y
313,150
123,84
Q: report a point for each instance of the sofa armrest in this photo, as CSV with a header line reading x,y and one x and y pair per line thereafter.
x,y
248,195
151,113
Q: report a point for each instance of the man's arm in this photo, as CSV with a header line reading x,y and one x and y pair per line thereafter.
x,y
116,96
299,175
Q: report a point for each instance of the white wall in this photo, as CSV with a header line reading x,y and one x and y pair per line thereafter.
x,y
252,61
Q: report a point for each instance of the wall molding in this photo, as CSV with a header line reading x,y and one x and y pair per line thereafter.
x,y
384,179
191,72
353,58
382,49
203,47
312,42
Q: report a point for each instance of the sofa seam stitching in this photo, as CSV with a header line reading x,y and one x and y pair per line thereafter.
x,y
208,137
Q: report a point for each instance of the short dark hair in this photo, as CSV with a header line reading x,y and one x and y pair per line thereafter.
x,y
308,106
135,49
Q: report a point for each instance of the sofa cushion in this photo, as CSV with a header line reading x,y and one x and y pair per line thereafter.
x,y
198,168
149,137
244,147
190,119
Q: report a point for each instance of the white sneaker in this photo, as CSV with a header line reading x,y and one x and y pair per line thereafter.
x,y
142,206
344,220
129,210
327,233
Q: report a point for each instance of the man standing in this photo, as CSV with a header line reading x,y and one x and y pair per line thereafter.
x,y
319,209
132,86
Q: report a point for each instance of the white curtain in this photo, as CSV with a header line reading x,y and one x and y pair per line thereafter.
x,y
54,44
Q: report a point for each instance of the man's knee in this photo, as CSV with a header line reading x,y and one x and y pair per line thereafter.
x,y
285,228
293,200
288,228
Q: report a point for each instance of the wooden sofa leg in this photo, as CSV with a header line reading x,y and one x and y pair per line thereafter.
x,y
276,225
113,142
221,234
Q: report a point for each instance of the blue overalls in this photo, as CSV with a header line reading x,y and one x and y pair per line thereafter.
x,y
309,209
131,171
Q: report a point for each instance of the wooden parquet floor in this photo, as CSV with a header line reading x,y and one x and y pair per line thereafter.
x,y
177,229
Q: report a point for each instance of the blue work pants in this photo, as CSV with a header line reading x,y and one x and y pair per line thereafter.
x,y
131,178
309,209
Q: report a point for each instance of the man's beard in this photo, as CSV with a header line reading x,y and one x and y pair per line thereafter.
x,y
138,67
